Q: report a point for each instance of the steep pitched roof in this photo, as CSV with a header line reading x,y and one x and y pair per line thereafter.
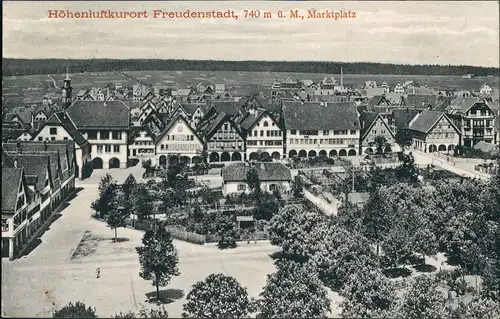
x,y
99,115
419,101
33,165
221,118
267,171
402,117
64,149
366,120
314,116
426,121
189,108
230,108
25,115
11,178
250,118
462,104
62,119
169,126
7,160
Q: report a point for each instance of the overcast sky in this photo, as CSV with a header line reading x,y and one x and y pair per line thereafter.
x,y
396,32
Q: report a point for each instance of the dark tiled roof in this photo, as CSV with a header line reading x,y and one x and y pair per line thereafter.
x,y
378,100
169,126
65,149
7,160
266,171
419,101
442,103
250,118
98,114
366,119
462,104
190,108
25,115
11,133
11,177
212,128
314,116
61,119
402,117
230,108
34,165
426,121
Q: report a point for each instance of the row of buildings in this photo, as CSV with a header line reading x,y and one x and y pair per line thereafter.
x,y
37,177
106,136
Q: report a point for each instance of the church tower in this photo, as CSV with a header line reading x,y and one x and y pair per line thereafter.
x,y
66,92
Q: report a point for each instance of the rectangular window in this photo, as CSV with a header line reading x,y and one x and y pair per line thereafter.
x,y
250,133
261,133
116,148
92,135
117,135
242,187
40,138
65,138
293,132
326,132
107,148
268,133
53,131
99,148
104,135
353,132
53,138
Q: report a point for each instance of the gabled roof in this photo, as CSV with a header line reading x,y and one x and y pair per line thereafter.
x,y
135,132
402,117
367,119
418,101
462,104
189,108
33,165
308,82
12,133
7,160
267,171
230,108
172,123
427,120
99,115
64,149
250,118
25,115
11,179
378,100
214,126
314,116
62,119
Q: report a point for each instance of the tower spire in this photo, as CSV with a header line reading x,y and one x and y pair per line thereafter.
x,y
341,77
67,73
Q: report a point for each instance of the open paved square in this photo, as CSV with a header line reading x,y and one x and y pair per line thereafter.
x,y
62,267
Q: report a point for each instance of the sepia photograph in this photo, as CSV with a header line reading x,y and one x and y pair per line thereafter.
x,y
250,159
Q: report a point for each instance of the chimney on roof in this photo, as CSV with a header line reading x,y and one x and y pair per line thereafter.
x,y
15,163
18,146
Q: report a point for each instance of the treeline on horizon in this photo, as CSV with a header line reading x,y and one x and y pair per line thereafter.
x,y
12,67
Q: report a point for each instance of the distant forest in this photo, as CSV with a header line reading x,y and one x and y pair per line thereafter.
x,y
56,66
